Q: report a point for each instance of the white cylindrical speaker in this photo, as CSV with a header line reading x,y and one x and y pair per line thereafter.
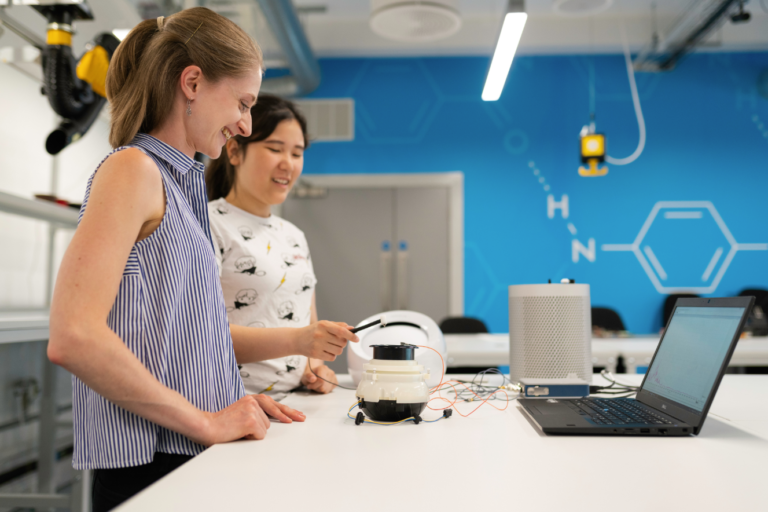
x,y
550,332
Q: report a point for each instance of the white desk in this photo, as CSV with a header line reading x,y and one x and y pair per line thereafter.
x,y
487,350
489,461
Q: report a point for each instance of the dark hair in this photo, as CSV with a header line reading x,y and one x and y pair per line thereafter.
x,y
268,112
143,75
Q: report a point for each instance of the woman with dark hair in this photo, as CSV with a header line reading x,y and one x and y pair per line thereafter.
x,y
138,315
264,262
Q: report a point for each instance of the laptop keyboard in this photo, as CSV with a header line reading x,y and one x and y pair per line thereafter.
x,y
617,411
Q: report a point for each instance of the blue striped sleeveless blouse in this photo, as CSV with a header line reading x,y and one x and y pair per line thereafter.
x,y
170,312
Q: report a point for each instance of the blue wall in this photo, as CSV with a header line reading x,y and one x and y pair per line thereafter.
x,y
707,141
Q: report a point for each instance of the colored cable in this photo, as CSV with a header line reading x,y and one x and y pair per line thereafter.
x,y
309,364
467,388
483,400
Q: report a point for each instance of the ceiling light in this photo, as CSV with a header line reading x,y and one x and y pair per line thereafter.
x,y
121,33
581,7
413,21
511,30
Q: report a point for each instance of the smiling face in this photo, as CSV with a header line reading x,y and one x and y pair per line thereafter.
x,y
265,171
221,110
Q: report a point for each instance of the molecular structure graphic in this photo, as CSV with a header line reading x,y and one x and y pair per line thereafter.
x,y
700,236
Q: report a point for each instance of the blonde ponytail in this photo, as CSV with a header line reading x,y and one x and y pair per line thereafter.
x,y
144,71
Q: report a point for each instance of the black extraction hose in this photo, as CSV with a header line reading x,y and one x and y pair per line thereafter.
x,y
67,94
70,96
75,88
70,130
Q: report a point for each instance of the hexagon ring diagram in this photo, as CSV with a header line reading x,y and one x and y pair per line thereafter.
x,y
684,246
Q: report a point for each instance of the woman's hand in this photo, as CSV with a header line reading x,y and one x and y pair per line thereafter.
x,y
318,385
280,412
324,340
243,419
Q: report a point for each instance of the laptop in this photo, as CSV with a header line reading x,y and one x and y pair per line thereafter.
x,y
678,387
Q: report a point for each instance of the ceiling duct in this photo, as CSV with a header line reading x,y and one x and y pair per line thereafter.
x,y
305,70
698,22
283,23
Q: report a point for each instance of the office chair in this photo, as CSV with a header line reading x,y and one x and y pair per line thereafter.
x,y
462,325
608,319
669,305
757,323
760,295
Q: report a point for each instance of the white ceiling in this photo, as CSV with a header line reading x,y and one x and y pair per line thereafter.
x,y
342,29
362,8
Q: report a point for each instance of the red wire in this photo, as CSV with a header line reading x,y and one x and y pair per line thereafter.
x,y
437,389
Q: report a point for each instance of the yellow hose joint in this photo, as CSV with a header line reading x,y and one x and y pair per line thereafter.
x,y
92,68
59,37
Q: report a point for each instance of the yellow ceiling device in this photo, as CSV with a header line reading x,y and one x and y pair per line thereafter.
x,y
592,154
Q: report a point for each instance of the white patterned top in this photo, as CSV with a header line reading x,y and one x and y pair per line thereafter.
x,y
268,281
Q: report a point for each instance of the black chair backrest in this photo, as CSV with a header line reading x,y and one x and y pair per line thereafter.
x,y
608,319
669,305
760,295
462,325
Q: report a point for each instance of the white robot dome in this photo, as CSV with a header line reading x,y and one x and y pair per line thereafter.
x,y
399,327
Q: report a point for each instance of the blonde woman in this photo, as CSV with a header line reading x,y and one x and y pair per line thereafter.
x,y
138,315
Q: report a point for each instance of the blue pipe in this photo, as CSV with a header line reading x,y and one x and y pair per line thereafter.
x,y
305,70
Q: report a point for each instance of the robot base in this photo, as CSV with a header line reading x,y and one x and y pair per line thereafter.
x,y
390,410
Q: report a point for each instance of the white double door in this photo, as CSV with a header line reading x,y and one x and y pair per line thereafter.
x,y
377,249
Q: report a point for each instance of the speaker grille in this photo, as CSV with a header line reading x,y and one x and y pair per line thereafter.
x,y
550,337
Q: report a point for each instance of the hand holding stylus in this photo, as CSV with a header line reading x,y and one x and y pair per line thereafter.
x,y
325,340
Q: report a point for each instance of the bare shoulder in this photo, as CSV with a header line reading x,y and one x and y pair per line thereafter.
x,y
130,167
130,181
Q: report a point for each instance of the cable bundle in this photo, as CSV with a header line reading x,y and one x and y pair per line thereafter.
x,y
615,388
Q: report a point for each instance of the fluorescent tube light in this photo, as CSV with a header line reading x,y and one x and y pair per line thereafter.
x,y
511,30
121,33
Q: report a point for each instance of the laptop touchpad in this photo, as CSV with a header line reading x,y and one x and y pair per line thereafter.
x,y
547,408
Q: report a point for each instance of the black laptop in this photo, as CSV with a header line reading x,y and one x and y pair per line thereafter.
x,y
678,387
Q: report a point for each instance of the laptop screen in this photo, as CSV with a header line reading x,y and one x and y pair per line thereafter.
x,y
691,354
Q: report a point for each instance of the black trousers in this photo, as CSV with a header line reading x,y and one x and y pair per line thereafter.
x,y
111,487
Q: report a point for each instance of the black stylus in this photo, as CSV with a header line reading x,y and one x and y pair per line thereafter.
x,y
375,322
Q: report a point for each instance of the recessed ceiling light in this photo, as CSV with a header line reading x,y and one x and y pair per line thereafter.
x,y
415,21
581,7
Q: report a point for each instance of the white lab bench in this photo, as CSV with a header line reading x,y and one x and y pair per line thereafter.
x,y
489,350
491,460
23,326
